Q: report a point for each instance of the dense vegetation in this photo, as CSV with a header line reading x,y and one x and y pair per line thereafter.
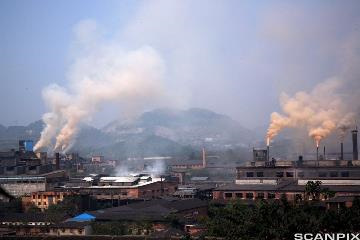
x,y
279,220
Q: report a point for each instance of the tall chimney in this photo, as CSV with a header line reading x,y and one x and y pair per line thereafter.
x,y
268,153
324,153
317,155
57,161
341,151
355,144
204,157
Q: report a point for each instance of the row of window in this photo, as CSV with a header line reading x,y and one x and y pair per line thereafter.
x,y
300,174
44,203
44,196
250,195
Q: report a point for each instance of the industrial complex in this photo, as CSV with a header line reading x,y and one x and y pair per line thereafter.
x,y
41,180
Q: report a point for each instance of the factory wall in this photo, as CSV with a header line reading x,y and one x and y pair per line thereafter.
x,y
17,189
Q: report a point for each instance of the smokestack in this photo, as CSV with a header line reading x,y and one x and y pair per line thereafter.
x,y
204,158
355,144
317,155
57,161
268,153
341,151
324,153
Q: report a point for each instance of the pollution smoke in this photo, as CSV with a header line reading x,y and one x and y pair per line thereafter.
x,y
155,169
319,111
103,72
345,124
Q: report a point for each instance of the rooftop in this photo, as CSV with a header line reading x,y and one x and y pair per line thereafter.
x,y
119,179
155,210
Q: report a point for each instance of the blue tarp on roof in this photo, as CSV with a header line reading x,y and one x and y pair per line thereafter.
x,y
83,217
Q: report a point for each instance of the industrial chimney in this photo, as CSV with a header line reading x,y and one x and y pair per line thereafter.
x,y
317,154
57,161
355,144
341,151
204,157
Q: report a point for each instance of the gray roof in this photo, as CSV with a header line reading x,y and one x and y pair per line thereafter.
x,y
71,224
154,210
247,187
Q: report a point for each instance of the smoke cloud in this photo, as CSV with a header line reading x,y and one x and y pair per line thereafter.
x,y
102,72
155,168
321,111
345,124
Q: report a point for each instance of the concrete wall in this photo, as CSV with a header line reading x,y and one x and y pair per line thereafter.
x,y
20,189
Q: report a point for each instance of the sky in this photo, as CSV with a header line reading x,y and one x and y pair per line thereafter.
x,y
232,57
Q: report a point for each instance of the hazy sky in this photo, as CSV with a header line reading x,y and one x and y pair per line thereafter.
x,y
233,57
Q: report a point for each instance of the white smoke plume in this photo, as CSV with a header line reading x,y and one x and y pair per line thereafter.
x,y
319,111
155,169
103,72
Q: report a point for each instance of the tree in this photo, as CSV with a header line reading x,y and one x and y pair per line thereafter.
x,y
313,189
327,193
279,220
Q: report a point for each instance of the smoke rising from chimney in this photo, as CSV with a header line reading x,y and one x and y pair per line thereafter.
x,y
321,111
345,124
102,72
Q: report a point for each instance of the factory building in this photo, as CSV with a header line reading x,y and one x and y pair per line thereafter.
x,y
44,199
24,161
191,164
120,188
18,186
263,178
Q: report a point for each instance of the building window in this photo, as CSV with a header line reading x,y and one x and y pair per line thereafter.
x,y
80,231
34,196
249,195
279,174
238,195
260,174
345,174
333,174
44,196
271,195
260,195
249,174
39,203
228,195
289,174
322,174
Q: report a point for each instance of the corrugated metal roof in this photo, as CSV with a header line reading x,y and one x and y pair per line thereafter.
x,y
119,179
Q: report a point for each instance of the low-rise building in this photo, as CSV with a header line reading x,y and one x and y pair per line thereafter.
x,y
21,185
70,228
44,199
157,214
119,188
275,179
